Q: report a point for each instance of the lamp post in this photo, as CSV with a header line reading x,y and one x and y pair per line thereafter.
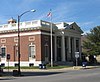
x,y
19,17
51,30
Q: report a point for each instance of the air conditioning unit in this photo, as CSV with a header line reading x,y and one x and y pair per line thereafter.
x,y
33,56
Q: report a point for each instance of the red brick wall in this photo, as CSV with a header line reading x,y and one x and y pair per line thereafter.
x,y
38,47
45,39
24,46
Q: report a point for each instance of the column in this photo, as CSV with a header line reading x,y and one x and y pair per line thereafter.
x,y
55,48
73,47
74,44
80,48
69,49
63,48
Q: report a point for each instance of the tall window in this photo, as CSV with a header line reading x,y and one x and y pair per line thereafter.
x,y
46,52
16,50
32,52
3,51
77,45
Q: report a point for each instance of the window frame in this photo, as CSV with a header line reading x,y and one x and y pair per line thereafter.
x,y
32,53
3,56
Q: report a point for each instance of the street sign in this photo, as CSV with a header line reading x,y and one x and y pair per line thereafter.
x,y
76,54
8,56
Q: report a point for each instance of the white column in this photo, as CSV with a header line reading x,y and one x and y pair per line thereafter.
x,y
74,45
69,49
80,49
73,48
55,48
63,48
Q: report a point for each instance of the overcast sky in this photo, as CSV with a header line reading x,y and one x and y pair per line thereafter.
x,y
86,13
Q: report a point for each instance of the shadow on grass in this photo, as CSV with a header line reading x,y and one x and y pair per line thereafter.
x,y
7,78
23,74
39,73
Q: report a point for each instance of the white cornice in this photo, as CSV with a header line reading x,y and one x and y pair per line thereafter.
x,y
24,34
21,34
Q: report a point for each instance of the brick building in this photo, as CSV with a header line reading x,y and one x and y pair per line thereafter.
x,y
35,42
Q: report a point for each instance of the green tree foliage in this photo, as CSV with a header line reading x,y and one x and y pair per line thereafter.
x,y
92,44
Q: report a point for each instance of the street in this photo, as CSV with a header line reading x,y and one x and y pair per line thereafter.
x,y
83,75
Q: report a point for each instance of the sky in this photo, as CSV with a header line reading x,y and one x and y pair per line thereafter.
x,y
85,13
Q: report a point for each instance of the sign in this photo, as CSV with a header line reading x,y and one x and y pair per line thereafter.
x,y
8,56
76,54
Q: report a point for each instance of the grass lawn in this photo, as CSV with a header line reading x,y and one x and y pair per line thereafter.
x,y
36,67
58,67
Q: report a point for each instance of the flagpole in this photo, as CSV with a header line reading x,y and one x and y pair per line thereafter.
x,y
51,38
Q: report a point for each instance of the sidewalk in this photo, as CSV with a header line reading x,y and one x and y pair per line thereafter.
x,y
54,70
87,67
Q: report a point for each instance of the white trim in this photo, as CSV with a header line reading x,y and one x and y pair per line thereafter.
x,y
3,40
22,63
32,45
23,34
3,59
30,33
31,38
45,33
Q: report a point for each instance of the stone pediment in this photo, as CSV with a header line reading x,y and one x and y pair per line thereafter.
x,y
73,26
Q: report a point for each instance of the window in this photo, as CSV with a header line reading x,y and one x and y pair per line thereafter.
x,y
14,25
5,26
46,52
77,45
28,23
3,40
32,51
16,39
59,42
34,22
3,51
16,50
31,38
46,38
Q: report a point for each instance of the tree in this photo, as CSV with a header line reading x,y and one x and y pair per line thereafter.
x,y
92,44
